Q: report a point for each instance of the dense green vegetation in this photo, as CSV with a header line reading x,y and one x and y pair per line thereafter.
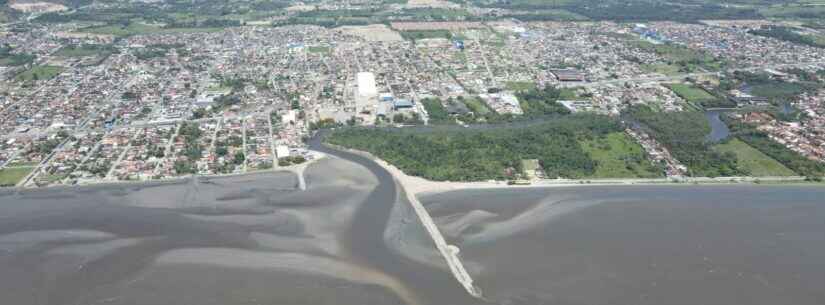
x,y
630,10
788,34
84,50
641,10
755,162
542,102
172,14
466,110
460,154
7,58
683,133
410,119
436,111
687,60
790,159
291,160
192,150
535,103
37,73
794,10
763,85
224,13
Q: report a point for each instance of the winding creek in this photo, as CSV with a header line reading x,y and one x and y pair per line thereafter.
x,y
719,130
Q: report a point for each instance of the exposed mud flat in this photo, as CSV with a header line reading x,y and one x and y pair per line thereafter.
x,y
235,240
351,238
642,245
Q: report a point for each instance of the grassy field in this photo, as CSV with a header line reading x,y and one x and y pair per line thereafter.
x,y
792,11
476,105
82,50
538,3
137,28
39,73
665,69
618,156
688,60
562,15
777,90
691,93
11,175
415,35
756,162
319,49
438,13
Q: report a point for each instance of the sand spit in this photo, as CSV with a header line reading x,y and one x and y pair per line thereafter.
x,y
539,215
54,235
453,226
407,238
94,251
21,241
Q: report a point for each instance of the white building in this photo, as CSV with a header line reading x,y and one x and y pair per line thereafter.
x,y
281,151
366,96
289,116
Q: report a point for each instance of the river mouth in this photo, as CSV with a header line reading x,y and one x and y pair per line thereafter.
x,y
230,240
351,238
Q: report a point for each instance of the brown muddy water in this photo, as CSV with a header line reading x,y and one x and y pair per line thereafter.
x,y
352,239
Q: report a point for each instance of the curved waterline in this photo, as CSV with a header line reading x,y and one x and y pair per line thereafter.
x,y
365,239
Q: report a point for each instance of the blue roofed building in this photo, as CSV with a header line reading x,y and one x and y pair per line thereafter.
x,y
402,104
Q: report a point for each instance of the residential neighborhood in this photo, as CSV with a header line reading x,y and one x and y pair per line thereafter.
x,y
158,106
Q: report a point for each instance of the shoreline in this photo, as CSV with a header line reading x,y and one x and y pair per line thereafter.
x,y
422,186
296,169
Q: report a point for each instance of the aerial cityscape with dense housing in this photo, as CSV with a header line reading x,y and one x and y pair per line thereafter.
x,y
417,152
112,91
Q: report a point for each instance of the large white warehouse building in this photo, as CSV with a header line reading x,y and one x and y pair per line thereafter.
x,y
367,94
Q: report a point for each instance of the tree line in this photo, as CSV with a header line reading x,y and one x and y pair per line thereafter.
x,y
684,133
459,154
